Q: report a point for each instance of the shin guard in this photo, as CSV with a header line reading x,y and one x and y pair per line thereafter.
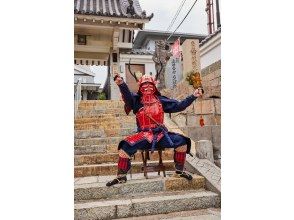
x,y
179,158
124,164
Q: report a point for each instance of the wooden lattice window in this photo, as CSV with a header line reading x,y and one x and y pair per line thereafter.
x,y
82,39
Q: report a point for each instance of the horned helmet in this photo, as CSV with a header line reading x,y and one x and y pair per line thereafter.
x,y
147,84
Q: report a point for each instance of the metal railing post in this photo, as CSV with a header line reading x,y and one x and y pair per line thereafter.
x,y
77,96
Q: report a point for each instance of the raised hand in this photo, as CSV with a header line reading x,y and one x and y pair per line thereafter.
x,y
118,79
198,92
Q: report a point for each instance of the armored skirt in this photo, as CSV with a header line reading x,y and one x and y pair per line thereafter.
x,y
176,140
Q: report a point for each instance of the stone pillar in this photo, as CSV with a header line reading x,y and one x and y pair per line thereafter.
x,y
204,150
84,94
191,56
114,68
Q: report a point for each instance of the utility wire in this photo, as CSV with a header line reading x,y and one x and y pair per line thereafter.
x,y
182,21
176,15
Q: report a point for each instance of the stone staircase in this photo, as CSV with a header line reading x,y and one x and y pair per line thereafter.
x,y
99,126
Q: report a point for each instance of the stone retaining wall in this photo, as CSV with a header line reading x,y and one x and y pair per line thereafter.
x,y
188,120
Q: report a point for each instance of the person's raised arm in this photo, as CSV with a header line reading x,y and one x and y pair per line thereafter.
x,y
172,105
124,89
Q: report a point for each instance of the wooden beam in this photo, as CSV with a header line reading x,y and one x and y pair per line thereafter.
x,y
114,19
86,48
98,26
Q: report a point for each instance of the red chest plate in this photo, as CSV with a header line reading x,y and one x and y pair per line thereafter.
x,y
150,115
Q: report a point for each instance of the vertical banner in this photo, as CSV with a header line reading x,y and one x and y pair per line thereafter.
x,y
173,67
176,48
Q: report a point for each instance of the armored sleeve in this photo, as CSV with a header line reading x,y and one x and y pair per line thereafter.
x,y
127,96
172,105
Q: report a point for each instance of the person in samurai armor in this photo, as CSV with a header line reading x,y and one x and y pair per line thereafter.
x,y
149,106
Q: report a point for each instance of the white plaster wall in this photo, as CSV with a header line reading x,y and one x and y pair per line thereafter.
x,y
137,59
85,79
150,67
211,57
210,52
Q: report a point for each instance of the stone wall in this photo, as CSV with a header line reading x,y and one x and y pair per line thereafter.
x,y
211,80
188,120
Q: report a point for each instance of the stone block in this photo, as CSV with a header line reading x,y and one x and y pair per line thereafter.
x,y
143,186
216,137
204,150
190,60
200,133
124,210
217,103
194,120
211,76
111,148
176,183
208,170
107,212
217,154
211,91
218,162
88,193
216,82
180,120
173,203
207,106
78,150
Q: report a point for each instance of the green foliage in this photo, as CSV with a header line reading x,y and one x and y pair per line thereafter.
x,y
101,96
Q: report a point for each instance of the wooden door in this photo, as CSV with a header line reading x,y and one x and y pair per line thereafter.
x,y
130,80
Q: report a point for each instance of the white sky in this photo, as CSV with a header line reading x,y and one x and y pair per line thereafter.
x,y
164,11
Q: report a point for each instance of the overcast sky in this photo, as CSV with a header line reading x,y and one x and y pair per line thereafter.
x,y
164,11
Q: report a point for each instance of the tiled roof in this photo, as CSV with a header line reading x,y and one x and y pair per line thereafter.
x,y
143,36
112,8
139,52
210,36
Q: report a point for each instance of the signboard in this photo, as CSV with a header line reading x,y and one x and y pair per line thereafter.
x,y
173,74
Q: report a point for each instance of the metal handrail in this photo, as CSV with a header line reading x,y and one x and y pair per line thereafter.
x,y
78,96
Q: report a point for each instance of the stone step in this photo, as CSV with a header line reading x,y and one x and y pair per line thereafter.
x,y
109,125
199,214
155,203
98,141
111,168
98,113
106,118
96,131
105,148
99,158
101,110
105,109
98,190
102,103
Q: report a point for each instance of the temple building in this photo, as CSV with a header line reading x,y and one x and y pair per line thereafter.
x,y
103,29
84,82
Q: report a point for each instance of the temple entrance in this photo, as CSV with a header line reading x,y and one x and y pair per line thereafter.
x,y
137,69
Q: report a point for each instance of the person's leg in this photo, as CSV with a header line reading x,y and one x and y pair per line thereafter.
x,y
180,159
180,146
124,163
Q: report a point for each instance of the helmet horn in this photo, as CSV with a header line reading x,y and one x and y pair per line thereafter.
x,y
134,75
